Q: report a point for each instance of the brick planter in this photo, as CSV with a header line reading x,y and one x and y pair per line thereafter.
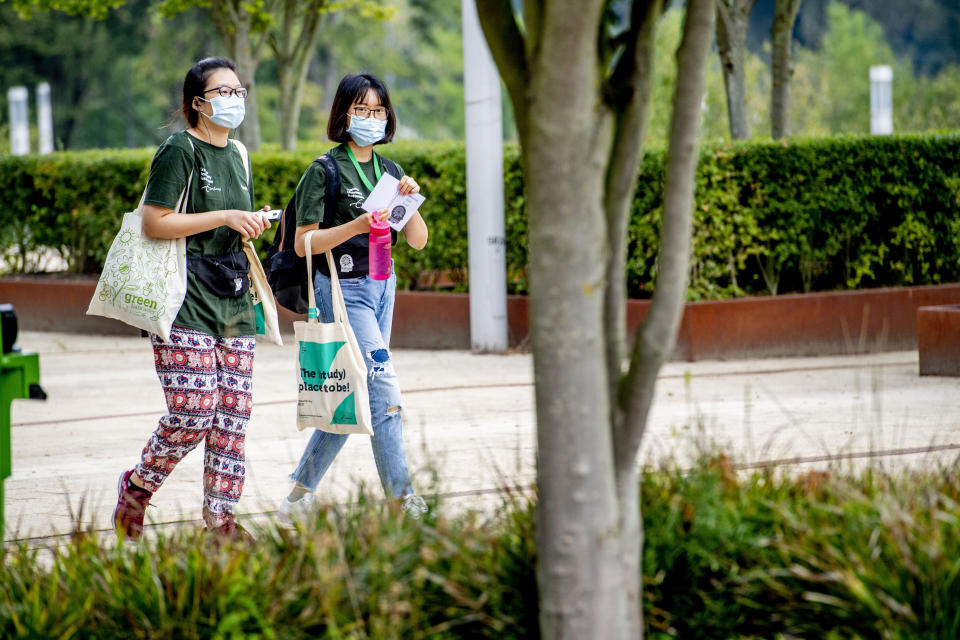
x,y
938,340
790,325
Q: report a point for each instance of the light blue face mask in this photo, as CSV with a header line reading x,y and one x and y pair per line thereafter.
x,y
227,112
366,131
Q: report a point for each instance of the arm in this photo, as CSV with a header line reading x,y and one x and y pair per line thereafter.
x,y
165,224
415,231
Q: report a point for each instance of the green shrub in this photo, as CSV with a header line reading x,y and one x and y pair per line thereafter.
x,y
728,555
824,214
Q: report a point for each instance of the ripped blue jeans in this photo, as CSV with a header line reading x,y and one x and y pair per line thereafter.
x,y
370,311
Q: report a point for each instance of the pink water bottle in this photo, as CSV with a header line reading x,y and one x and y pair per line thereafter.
x,y
379,250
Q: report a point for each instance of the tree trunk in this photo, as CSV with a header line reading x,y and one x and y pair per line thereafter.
x,y
781,66
292,53
234,25
581,590
657,335
631,108
733,16
247,61
578,182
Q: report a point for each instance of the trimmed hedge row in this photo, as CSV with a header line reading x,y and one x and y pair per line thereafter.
x,y
824,214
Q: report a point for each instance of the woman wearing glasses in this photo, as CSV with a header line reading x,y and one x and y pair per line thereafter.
x,y
360,118
205,368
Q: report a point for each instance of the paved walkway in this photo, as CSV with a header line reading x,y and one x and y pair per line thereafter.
x,y
469,425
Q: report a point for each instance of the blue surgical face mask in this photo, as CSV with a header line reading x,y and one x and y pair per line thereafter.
x,y
366,131
227,112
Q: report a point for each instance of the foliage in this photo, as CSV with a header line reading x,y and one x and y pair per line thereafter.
x,y
102,98
821,555
838,213
829,92
760,554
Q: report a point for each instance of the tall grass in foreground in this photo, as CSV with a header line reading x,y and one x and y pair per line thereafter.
x,y
727,555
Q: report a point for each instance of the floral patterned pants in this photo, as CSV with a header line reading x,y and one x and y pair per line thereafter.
x,y
207,382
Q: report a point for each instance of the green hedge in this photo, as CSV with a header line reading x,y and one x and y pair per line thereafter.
x,y
825,214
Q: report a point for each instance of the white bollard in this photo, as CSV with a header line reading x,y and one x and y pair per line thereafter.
x,y
881,100
44,118
485,226
19,121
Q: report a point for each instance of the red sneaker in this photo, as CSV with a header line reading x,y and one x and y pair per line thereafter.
x,y
230,531
132,501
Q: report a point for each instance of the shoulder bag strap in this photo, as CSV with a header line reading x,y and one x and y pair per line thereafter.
x,y
336,294
244,156
185,195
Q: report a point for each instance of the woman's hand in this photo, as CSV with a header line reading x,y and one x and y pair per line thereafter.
x,y
408,185
249,224
362,222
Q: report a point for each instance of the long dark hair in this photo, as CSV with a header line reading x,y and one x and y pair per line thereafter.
x,y
354,87
196,82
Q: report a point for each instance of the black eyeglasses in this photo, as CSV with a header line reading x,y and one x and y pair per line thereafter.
x,y
365,112
226,92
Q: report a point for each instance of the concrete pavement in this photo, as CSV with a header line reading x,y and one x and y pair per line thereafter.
x,y
469,425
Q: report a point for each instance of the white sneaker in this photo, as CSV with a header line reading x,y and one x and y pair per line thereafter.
x,y
414,506
297,510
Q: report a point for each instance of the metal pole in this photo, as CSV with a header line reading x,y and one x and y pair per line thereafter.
x,y
881,100
19,121
485,227
44,117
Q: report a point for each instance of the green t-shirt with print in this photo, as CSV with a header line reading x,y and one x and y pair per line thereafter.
x,y
219,182
351,257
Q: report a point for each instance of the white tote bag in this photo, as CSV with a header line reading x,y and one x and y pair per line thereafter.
x,y
264,304
331,372
144,280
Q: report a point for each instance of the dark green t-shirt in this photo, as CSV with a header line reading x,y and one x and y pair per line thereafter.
x,y
351,256
219,182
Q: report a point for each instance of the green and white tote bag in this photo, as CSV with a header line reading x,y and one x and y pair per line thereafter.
x,y
264,304
144,280
331,372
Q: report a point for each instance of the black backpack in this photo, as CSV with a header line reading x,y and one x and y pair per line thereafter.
x,y
286,271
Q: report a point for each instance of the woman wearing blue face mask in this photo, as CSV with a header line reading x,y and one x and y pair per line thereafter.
x,y
205,367
360,118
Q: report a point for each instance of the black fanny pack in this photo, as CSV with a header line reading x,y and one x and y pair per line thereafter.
x,y
226,276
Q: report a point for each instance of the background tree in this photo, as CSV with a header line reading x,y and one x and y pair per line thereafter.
x,y
292,40
579,82
733,18
114,80
781,65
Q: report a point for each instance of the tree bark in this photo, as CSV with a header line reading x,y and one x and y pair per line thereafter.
x,y
733,17
781,66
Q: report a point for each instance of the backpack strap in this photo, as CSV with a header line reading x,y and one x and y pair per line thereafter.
x,y
390,166
331,188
